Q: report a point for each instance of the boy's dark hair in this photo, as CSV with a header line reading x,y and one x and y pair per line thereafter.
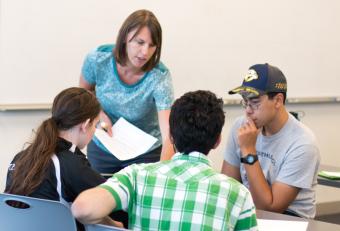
x,y
196,121
271,95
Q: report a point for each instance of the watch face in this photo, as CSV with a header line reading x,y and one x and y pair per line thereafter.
x,y
250,159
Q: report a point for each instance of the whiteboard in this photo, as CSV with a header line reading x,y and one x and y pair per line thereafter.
x,y
206,44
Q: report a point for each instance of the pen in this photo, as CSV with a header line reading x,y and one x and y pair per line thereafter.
x,y
103,125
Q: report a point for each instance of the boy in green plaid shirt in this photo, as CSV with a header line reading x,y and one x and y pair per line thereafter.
x,y
184,193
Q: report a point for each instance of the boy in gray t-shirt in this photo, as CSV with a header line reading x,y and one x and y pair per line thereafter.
x,y
271,152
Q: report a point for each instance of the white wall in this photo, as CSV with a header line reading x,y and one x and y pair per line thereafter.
x,y
323,119
207,44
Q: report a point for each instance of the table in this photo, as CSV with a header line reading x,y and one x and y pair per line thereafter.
x,y
328,182
313,225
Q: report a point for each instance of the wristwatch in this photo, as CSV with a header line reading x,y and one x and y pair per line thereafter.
x,y
249,159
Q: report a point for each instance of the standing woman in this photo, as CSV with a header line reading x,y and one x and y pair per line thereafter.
x,y
131,82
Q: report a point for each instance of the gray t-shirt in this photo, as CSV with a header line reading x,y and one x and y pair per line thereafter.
x,y
290,156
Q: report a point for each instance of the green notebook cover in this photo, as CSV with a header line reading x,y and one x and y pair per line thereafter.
x,y
330,175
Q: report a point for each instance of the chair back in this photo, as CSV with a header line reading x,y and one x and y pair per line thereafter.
x,y
33,214
99,227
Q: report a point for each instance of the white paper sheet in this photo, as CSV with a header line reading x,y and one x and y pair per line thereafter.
x,y
278,225
127,141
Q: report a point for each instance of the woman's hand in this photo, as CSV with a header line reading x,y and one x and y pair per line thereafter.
x,y
105,123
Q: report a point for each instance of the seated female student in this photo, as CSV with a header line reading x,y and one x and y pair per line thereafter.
x,y
55,152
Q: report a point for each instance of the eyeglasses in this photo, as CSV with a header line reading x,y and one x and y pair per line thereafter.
x,y
253,106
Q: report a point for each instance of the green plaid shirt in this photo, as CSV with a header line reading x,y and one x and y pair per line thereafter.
x,y
184,193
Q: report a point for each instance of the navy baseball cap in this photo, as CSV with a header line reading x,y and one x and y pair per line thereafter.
x,y
261,79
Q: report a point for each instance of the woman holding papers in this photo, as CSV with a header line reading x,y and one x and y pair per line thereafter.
x,y
131,82
52,166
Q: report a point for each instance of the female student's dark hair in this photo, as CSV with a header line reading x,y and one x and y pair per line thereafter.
x,y
71,107
137,20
